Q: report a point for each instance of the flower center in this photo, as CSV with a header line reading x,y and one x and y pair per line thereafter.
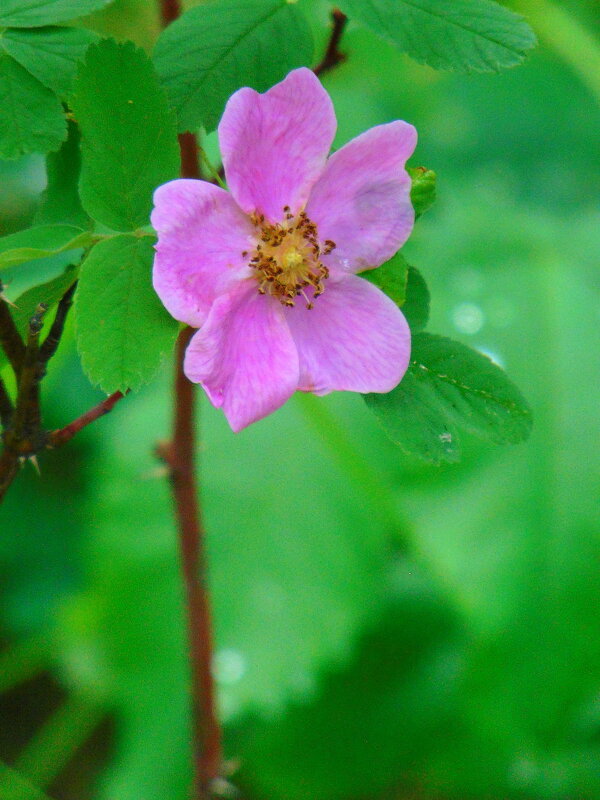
x,y
287,258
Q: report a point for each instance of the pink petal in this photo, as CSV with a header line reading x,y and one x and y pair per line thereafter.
x,y
354,338
244,356
362,199
201,236
274,145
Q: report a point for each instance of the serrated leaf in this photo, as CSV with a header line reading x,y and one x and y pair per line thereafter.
x,y
32,119
450,384
35,13
60,200
422,190
390,278
41,242
123,331
129,143
476,392
50,54
216,48
414,418
25,304
465,35
416,305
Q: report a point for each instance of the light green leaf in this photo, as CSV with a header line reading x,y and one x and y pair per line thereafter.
x,y
213,49
35,13
422,191
40,242
449,384
465,35
416,305
390,278
50,54
32,119
60,200
15,787
129,143
123,331
414,417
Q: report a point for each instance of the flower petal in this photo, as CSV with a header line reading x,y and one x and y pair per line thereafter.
x,y
274,145
201,236
362,199
244,356
354,338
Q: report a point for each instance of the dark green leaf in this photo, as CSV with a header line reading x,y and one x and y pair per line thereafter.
x,y
475,391
123,331
414,417
217,47
60,200
50,54
35,13
465,35
32,119
26,304
416,305
390,278
448,383
422,192
129,143
41,242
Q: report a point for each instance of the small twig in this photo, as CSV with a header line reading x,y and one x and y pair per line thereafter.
x,y
10,339
63,435
332,56
48,349
188,147
6,406
27,397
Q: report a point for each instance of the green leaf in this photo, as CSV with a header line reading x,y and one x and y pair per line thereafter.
x,y
50,54
416,305
465,35
40,242
35,13
25,305
32,119
60,200
213,49
448,383
15,787
422,192
129,143
390,278
413,417
123,331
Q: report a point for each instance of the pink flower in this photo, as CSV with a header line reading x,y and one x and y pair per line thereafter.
x,y
267,270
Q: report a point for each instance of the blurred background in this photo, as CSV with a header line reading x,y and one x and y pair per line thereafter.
x,y
385,629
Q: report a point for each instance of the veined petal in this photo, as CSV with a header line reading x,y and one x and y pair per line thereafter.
x,y
244,356
201,236
354,338
274,145
362,199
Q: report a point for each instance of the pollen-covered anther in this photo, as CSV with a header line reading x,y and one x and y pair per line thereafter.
x,y
287,257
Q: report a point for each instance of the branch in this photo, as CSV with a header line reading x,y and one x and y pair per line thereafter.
x,y
63,435
332,56
10,339
6,406
48,349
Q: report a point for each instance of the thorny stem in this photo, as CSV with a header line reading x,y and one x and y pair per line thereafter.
x,y
332,56
63,435
52,340
179,455
10,339
6,406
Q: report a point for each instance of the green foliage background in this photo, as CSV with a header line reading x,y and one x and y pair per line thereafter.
x,y
385,629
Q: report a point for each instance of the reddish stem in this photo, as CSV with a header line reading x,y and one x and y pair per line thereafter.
x,y
63,435
332,56
169,11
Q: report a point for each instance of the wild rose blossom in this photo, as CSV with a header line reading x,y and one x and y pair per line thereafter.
x,y
267,271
